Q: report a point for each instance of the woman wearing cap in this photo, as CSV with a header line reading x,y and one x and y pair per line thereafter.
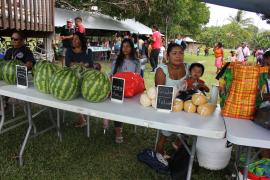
x,y
174,74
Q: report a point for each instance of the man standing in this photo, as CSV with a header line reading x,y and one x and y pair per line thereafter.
x,y
79,25
66,36
156,44
240,53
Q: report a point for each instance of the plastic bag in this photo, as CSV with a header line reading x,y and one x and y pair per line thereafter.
x,y
134,83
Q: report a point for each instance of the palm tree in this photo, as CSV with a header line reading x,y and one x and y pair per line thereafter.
x,y
240,19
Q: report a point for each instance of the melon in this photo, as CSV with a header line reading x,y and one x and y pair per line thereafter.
x,y
65,84
189,106
43,74
9,71
199,99
152,92
96,86
79,69
37,65
145,100
206,109
178,105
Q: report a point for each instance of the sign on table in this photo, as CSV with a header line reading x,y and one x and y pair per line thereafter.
x,y
165,98
22,78
118,87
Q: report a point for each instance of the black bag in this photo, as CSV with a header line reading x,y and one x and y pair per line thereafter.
x,y
262,117
186,95
178,164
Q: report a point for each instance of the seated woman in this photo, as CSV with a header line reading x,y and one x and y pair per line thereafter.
x,y
174,73
20,51
79,54
126,61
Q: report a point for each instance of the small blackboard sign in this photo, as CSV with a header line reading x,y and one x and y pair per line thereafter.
x,y
165,98
118,87
22,78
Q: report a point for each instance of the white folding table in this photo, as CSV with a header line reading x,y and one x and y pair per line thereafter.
x,y
246,133
130,112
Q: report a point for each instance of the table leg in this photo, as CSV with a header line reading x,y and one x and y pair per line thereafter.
x,y
88,126
59,134
3,113
247,163
192,156
30,125
58,125
236,164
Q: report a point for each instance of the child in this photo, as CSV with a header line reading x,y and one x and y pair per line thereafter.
x,y
194,82
232,58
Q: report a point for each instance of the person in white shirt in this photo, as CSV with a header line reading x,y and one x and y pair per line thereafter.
x,y
240,54
246,52
161,55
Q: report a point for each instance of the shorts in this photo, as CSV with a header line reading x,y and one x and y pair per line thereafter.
x,y
218,62
64,52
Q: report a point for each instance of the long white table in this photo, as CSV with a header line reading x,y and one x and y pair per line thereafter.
x,y
246,133
130,112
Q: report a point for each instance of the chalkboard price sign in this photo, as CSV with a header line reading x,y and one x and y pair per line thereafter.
x,y
22,78
165,98
118,87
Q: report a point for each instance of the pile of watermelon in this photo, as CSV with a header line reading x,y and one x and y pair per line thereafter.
x,y
67,83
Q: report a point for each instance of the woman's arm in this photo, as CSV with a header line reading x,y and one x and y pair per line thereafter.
x,y
160,77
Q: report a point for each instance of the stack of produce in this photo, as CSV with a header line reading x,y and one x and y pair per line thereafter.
x,y
149,97
2,63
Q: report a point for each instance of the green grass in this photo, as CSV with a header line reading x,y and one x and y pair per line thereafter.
x,y
78,157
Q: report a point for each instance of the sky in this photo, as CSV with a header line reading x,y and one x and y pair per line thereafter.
x,y
219,15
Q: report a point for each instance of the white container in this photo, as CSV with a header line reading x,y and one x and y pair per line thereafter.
x,y
213,154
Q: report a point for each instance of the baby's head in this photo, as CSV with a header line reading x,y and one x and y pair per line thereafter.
x,y
196,70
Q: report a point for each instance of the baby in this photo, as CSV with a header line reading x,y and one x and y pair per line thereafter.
x,y
194,82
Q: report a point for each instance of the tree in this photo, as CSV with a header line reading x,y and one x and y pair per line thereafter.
x,y
172,16
240,19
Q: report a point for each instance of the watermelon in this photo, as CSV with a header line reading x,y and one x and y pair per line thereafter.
x,y
95,86
9,71
2,63
65,84
43,74
79,69
36,66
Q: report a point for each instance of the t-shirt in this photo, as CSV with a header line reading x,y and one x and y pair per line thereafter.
x,y
83,57
178,41
67,32
80,28
190,82
218,52
240,54
157,40
128,66
161,52
23,54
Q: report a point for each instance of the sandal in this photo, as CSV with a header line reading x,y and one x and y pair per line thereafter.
x,y
119,140
81,123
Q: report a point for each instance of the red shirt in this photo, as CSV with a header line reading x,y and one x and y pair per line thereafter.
x,y
190,82
80,29
157,40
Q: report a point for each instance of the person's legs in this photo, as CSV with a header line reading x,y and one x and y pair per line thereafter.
x,y
161,144
118,132
152,60
156,53
81,121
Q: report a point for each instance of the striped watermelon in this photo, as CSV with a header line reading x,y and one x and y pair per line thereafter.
x,y
36,66
43,74
65,84
79,69
2,63
9,71
95,86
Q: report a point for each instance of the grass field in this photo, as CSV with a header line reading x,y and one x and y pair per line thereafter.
x,y
97,158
